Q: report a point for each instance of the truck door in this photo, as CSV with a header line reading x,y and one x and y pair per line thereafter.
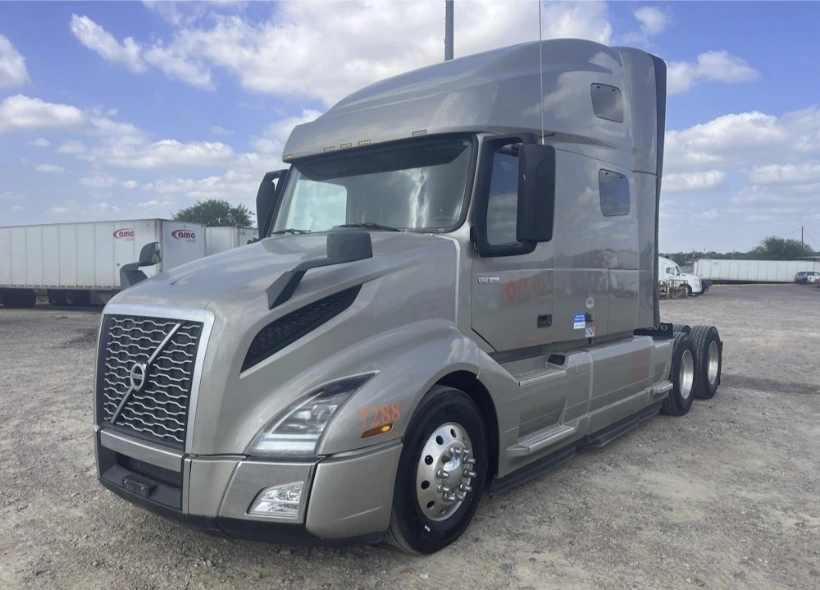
x,y
512,296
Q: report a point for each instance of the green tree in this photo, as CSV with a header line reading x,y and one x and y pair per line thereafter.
x,y
774,248
214,213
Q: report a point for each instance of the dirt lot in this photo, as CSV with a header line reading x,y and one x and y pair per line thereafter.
x,y
725,497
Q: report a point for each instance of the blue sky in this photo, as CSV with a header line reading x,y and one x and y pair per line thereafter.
x,y
115,110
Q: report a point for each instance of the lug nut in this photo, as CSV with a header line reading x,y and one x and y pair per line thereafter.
x,y
465,488
442,473
469,461
443,489
468,473
450,497
461,496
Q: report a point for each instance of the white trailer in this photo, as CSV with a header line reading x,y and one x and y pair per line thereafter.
x,y
753,271
220,239
79,263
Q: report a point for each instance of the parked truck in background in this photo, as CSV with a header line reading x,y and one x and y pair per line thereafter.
x,y
447,297
753,271
669,269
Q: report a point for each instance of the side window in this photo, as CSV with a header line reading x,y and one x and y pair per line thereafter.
x,y
614,189
502,204
607,102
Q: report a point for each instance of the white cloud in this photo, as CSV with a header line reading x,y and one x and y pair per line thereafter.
x,y
12,65
73,147
708,214
712,66
325,50
98,40
786,173
16,208
58,210
653,20
20,113
272,141
130,184
166,153
49,169
694,181
219,130
9,196
98,181
40,142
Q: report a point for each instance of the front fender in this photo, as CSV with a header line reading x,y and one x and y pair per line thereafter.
x,y
408,362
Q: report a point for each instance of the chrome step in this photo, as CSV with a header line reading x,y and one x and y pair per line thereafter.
x,y
538,375
661,389
541,439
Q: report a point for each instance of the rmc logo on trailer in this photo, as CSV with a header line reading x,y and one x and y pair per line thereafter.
x,y
184,234
124,234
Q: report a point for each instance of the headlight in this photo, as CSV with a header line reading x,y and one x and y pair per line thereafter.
x,y
298,430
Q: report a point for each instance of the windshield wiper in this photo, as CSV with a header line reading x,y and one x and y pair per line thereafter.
x,y
370,225
290,231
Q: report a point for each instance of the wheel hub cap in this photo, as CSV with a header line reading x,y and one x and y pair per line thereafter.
x,y
714,358
687,374
445,472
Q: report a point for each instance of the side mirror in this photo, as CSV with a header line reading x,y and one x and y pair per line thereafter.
x,y
535,199
536,193
150,254
267,198
130,274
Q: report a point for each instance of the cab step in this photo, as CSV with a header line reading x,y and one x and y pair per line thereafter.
x,y
540,439
661,389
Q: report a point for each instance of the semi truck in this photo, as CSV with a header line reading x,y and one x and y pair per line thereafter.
x,y
455,289
80,263
668,270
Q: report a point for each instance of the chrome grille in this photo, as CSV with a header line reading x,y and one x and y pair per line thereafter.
x,y
157,406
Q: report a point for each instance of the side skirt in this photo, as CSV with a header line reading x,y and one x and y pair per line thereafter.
x,y
564,454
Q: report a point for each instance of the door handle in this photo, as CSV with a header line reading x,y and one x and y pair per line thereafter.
x,y
544,321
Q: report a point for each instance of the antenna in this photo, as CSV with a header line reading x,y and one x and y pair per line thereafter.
x,y
448,29
541,73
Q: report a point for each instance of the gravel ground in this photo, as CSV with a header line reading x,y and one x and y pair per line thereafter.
x,y
725,497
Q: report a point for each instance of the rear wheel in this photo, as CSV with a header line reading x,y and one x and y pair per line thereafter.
x,y
682,376
708,361
442,473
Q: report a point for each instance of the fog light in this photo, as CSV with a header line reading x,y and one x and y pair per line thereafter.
x,y
282,501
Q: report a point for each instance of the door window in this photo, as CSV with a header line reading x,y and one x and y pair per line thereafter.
x,y
502,204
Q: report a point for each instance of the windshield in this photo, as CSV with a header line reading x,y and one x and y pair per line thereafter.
x,y
416,185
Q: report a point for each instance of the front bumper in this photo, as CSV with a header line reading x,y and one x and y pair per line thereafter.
x,y
346,499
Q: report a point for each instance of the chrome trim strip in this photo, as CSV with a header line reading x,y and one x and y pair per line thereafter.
x,y
176,313
141,450
186,485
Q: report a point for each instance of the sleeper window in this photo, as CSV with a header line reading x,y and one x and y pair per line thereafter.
x,y
614,189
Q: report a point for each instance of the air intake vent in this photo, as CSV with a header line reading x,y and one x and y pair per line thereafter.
x,y
288,329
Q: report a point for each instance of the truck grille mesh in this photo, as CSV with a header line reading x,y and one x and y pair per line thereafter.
x,y
159,408
289,328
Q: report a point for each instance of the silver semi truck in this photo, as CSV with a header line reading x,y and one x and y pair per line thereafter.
x,y
455,289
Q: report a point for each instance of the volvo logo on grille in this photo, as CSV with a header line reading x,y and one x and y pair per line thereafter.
x,y
137,376
139,371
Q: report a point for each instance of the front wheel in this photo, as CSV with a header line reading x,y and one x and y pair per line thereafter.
x,y
442,473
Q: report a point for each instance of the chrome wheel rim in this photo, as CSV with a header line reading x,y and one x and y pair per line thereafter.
x,y
445,472
687,374
713,362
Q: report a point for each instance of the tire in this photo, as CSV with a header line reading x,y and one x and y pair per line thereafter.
x,y
77,298
676,328
414,529
56,298
688,291
682,376
708,361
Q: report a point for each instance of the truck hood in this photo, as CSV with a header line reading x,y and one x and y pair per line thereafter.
x,y
245,272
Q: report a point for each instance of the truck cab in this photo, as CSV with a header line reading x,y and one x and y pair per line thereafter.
x,y
669,269
447,297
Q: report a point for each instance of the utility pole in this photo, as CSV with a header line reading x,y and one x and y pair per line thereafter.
x,y
448,29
